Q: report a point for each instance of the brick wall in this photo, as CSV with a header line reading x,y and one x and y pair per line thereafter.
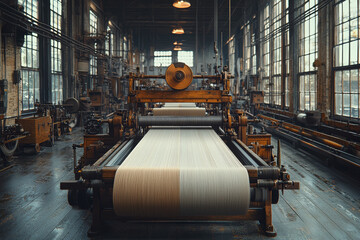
x,y
8,52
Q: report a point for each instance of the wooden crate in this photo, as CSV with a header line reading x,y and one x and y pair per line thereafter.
x,y
39,129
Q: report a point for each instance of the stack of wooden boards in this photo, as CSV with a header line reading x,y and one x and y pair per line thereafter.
x,y
178,172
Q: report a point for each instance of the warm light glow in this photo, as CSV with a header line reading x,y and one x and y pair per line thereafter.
x,y
181,4
177,48
177,43
178,30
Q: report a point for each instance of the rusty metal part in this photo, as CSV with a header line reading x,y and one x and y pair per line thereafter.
x,y
198,96
276,111
266,183
255,157
178,76
342,125
329,140
329,153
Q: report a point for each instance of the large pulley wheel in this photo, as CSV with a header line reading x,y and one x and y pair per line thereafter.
x,y
178,76
72,105
9,148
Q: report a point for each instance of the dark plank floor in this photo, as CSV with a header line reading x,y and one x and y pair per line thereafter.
x,y
33,207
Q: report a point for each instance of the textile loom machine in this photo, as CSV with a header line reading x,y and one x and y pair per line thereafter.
x,y
178,162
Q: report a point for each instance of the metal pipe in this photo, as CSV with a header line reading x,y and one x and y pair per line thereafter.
x,y
120,156
101,160
74,153
255,157
241,153
229,19
318,148
203,50
279,154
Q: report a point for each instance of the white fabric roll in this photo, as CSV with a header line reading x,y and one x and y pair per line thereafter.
x,y
179,109
179,172
168,111
179,105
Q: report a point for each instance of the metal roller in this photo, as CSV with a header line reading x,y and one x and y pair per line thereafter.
x,y
179,121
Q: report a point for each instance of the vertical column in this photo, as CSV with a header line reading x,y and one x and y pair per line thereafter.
x,y
325,43
283,52
1,56
271,54
203,51
196,38
45,55
85,29
68,51
216,32
294,63
259,50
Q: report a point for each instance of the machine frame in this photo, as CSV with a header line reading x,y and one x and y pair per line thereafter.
x,y
95,171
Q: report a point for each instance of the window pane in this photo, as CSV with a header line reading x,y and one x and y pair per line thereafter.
x,y
355,105
346,54
186,57
162,58
308,52
29,59
346,82
338,81
354,76
338,104
346,110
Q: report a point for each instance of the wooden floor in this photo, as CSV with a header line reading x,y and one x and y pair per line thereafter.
x,y
33,207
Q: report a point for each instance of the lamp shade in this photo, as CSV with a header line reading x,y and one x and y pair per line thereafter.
x,y
181,4
178,30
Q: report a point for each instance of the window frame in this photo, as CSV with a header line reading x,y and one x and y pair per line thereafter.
x,y
93,64
347,87
307,70
56,53
164,58
30,68
275,53
265,52
188,57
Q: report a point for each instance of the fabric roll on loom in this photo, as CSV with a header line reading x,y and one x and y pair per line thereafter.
x,y
179,109
179,172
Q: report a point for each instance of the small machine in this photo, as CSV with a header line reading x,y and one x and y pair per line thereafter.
x,y
105,153
9,134
48,122
64,116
